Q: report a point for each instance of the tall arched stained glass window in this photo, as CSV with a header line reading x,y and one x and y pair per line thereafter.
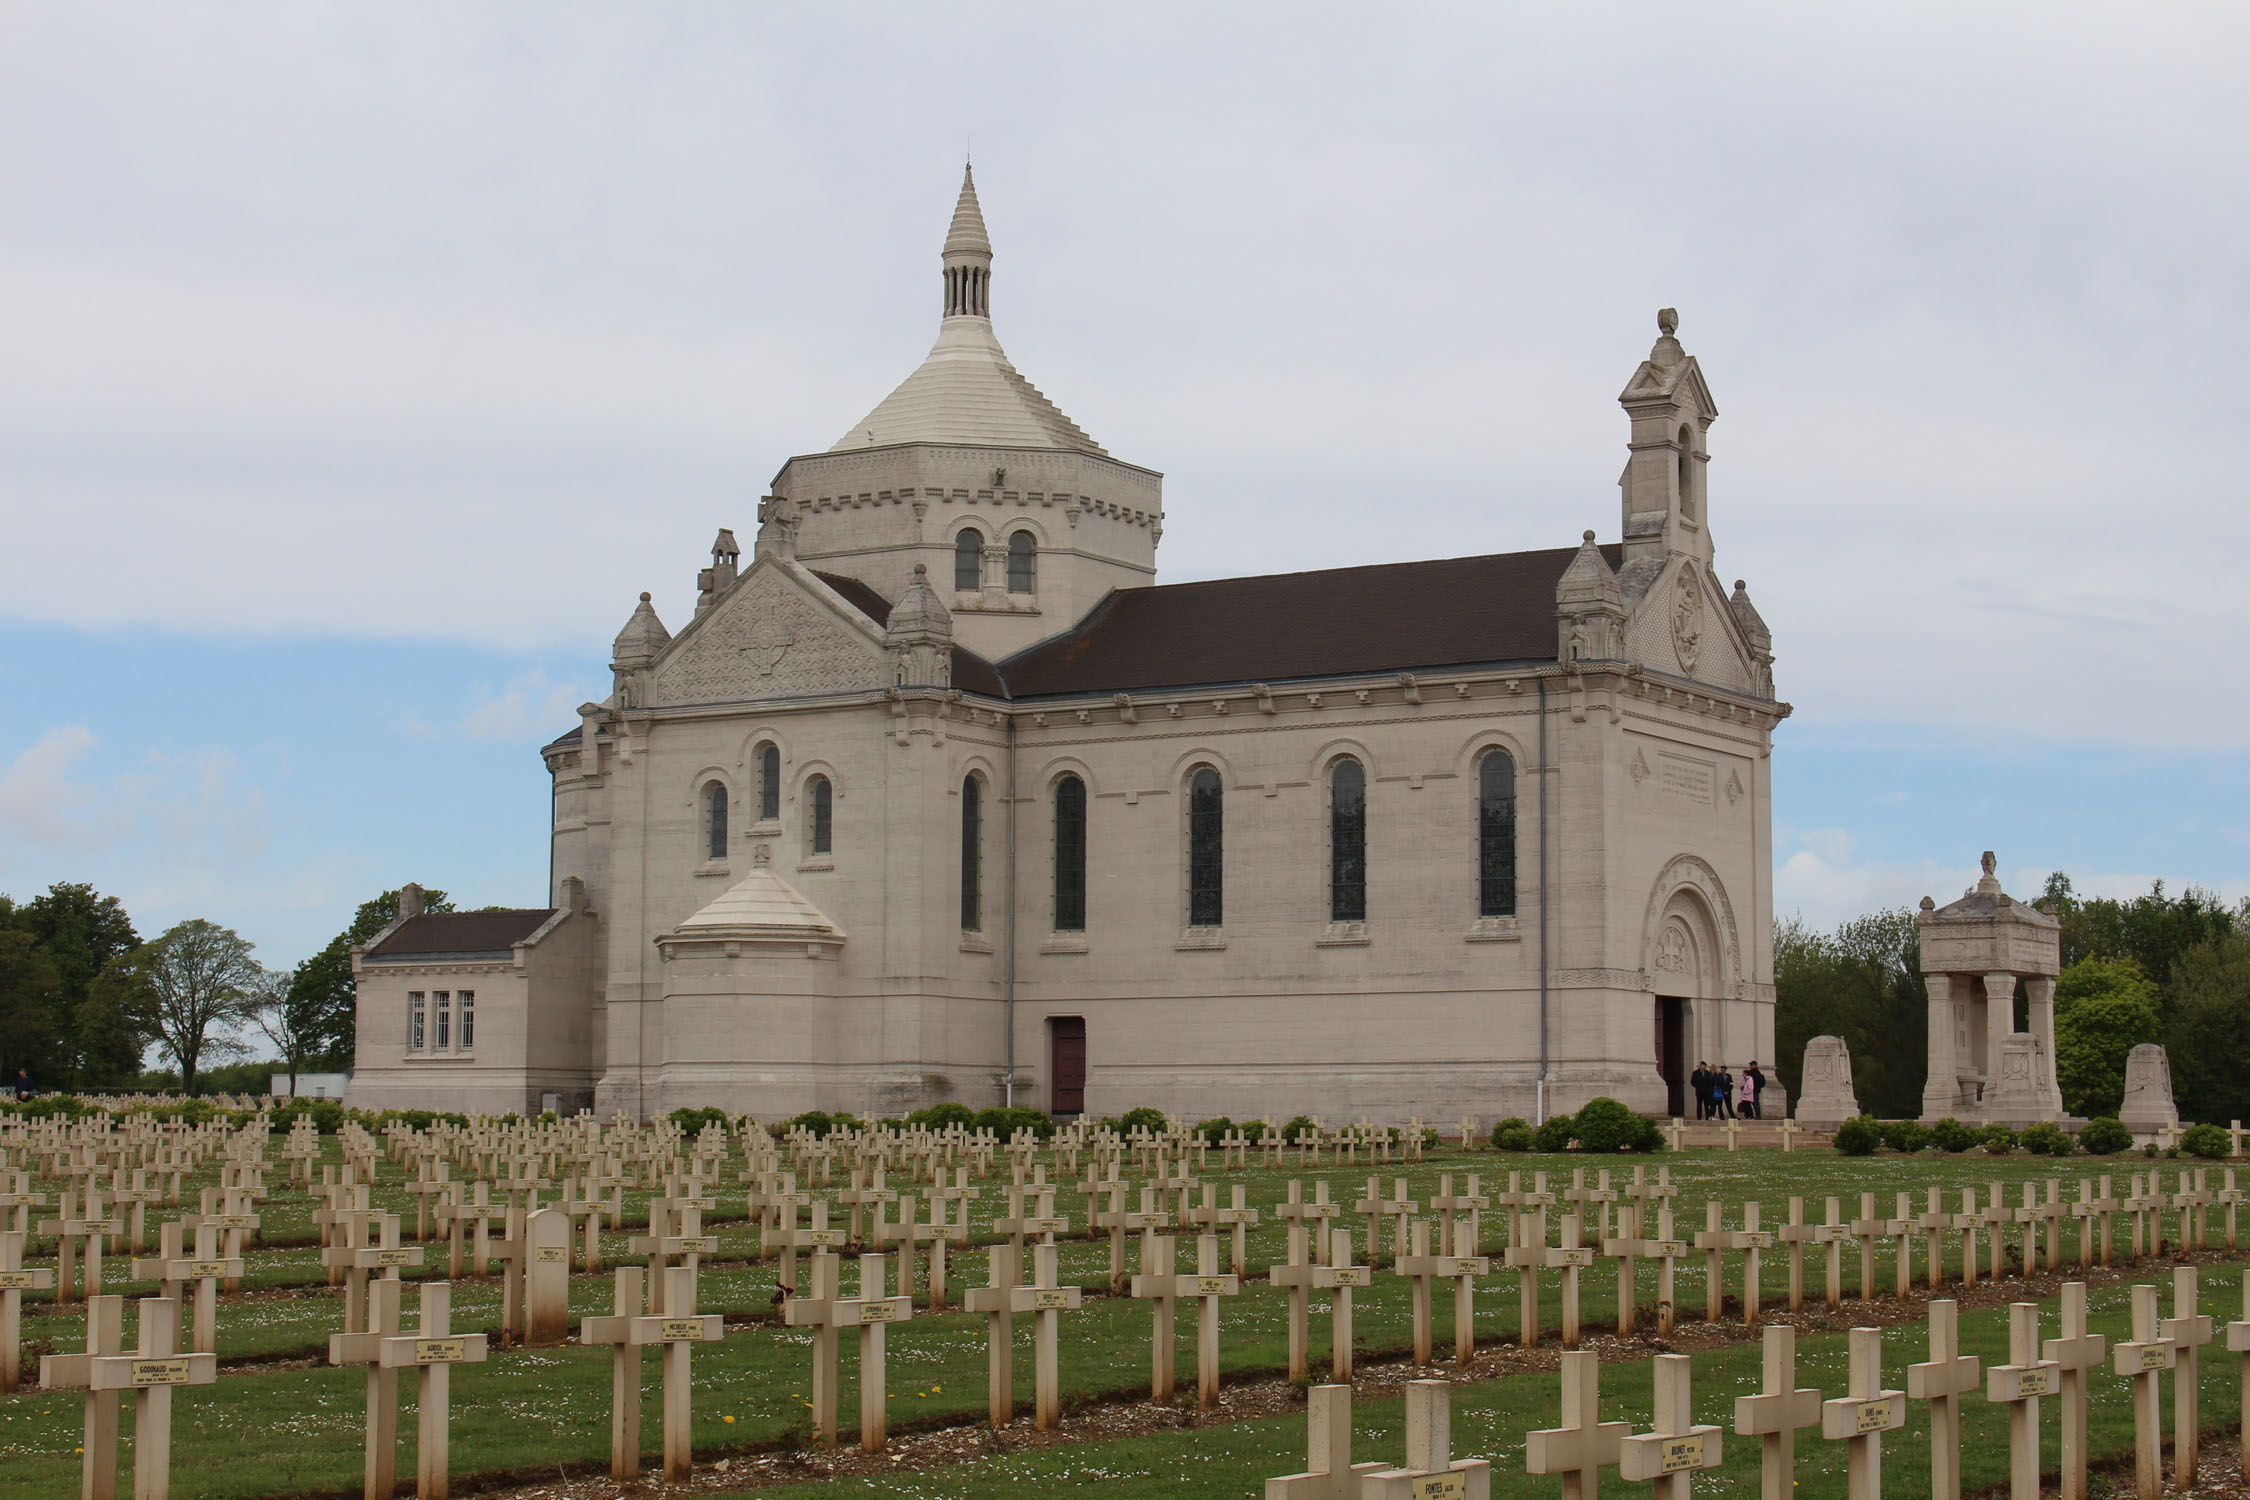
x,y
1347,842
1023,563
972,853
823,798
1496,835
1206,849
968,560
714,820
1070,855
769,783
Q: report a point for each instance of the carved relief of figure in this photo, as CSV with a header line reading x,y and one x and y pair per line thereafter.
x,y
1687,619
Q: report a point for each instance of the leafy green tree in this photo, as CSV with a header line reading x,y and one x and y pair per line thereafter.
x,y
2104,1008
322,1000
28,983
199,980
1862,984
80,931
2209,1036
2154,930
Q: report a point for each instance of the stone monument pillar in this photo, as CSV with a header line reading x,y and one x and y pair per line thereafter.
x,y
2148,1105
1826,1098
1975,953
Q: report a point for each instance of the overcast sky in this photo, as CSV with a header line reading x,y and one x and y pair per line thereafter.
x,y
360,364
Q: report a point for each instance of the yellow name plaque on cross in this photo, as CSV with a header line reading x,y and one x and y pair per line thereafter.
x,y
15,1281
878,1312
440,1351
394,1257
1680,1453
1211,1286
697,1244
550,1255
680,1330
1875,1416
206,1270
151,1372
1050,1297
1439,1487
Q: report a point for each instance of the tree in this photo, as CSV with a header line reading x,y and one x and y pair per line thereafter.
x,y
80,931
2210,1031
2154,930
1861,984
28,982
284,1021
2104,1008
322,995
200,979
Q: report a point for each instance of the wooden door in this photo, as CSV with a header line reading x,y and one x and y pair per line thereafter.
x,y
1671,1053
1066,1065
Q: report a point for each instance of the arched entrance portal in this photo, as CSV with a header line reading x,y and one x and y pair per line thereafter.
x,y
1692,958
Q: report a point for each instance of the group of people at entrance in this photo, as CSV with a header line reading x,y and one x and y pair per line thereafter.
x,y
1716,1096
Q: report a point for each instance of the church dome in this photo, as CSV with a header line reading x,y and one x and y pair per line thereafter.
x,y
966,391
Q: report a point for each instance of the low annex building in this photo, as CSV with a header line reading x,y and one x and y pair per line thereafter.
x,y
944,797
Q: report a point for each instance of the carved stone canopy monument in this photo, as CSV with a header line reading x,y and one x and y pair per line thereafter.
x,y
1828,1098
1975,953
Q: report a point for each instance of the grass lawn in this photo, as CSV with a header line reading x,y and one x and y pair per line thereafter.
x,y
271,1427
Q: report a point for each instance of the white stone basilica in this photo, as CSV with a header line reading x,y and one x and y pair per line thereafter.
x,y
943,797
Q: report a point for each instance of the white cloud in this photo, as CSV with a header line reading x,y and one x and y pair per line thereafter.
x,y
40,803
529,707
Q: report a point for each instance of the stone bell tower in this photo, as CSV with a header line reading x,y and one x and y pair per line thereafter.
x,y
1974,954
1663,483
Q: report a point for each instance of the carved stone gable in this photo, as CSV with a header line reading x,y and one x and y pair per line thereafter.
x,y
767,639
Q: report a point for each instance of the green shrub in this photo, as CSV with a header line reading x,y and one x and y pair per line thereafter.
x,y
47,1106
1905,1136
1555,1135
1150,1120
2207,1141
1858,1136
1300,1127
2105,1136
815,1122
1214,1129
1004,1123
1999,1140
1512,1134
944,1116
2047,1139
1951,1136
1606,1126
691,1121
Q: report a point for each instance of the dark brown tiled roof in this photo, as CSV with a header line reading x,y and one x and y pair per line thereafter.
x,y
1339,622
460,934
858,595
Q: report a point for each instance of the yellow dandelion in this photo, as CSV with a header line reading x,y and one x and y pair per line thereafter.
x,y
728,1420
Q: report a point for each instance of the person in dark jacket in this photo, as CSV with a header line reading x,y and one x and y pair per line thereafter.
x,y
1753,1091
1699,1083
24,1090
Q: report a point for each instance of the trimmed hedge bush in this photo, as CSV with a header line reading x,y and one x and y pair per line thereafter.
x,y
1004,1123
944,1116
2105,1136
1555,1135
1512,1134
1858,1136
2047,1139
1607,1126
2207,1141
1150,1120
2000,1140
1214,1129
1951,1136
1905,1136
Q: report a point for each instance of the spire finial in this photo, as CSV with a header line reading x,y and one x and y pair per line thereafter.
x,y
968,255
1667,321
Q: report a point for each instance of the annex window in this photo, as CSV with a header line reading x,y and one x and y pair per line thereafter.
x,y
821,834
1347,842
1687,472
972,853
1023,563
769,783
968,560
714,820
414,1021
1496,835
1070,855
1206,837
442,1005
468,1019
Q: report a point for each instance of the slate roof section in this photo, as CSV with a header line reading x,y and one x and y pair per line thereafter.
x,y
1337,622
463,934
971,672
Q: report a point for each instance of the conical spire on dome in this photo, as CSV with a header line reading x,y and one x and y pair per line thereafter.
x,y
966,391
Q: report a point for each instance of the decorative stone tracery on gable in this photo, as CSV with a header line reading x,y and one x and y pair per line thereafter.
x,y
767,639
1690,933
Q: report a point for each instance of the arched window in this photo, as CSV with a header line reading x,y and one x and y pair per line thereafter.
x,y
1070,855
972,853
1206,852
821,831
1496,835
1023,563
769,783
968,560
714,820
1347,842
1687,472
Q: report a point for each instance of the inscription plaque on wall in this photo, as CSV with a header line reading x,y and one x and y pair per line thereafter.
x,y
1689,780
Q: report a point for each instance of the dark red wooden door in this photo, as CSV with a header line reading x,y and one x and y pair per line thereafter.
x,y
1066,1046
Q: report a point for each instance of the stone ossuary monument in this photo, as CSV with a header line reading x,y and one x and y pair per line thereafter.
x,y
1976,953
